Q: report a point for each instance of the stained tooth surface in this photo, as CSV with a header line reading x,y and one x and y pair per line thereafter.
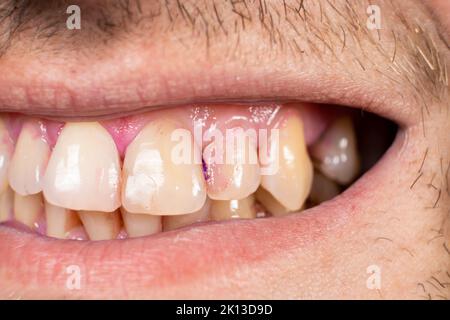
x,y
179,221
291,183
270,204
101,225
6,151
29,210
235,174
6,204
233,209
323,189
83,172
60,221
156,178
30,159
140,225
336,153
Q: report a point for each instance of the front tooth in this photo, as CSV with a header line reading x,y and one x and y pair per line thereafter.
x,y
6,150
29,210
235,174
29,160
291,183
270,204
6,204
84,169
140,225
60,221
233,209
101,225
323,189
155,180
336,152
175,222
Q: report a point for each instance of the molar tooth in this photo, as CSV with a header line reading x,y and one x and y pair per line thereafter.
x,y
101,225
6,204
83,172
30,159
6,151
235,173
175,222
233,209
291,183
140,225
323,189
29,210
336,152
60,221
274,207
156,181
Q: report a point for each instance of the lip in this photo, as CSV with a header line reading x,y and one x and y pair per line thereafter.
x,y
164,264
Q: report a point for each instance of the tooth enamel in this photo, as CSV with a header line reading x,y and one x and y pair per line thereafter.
x,y
291,183
336,152
237,175
29,210
154,183
6,204
140,225
30,159
83,172
233,209
60,221
6,150
175,222
101,225
273,207
323,189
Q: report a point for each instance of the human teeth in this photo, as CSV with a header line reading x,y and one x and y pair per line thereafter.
x,y
60,221
83,172
175,222
232,170
233,209
6,204
336,152
323,189
157,180
29,210
140,225
30,159
101,225
291,183
6,150
270,204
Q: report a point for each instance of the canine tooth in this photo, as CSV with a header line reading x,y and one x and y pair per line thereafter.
x,y
155,181
83,172
323,189
29,210
140,225
101,225
236,173
233,209
291,183
6,150
60,221
175,222
275,208
336,152
29,160
6,204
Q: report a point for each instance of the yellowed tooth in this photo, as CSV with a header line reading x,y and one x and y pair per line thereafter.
x,y
155,180
270,204
235,174
6,151
29,210
291,183
175,222
60,221
101,225
140,225
83,172
6,204
233,209
336,152
323,189
30,159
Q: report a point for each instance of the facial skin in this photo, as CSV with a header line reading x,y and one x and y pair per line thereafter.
x,y
160,53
